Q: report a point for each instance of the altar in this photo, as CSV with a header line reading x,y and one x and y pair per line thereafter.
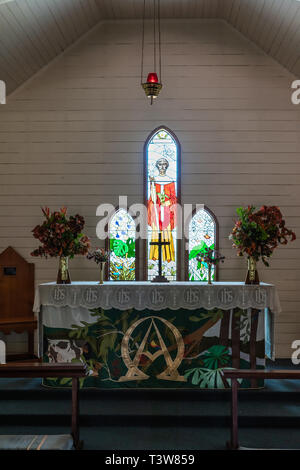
x,y
152,335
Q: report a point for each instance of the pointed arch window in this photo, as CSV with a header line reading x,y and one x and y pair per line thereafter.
x,y
202,234
122,247
162,163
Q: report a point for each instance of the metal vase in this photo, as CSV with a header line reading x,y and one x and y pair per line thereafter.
x,y
252,274
102,269
209,274
63,276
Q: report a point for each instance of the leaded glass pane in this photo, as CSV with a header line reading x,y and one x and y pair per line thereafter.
x,y
162,163
122,247
202,234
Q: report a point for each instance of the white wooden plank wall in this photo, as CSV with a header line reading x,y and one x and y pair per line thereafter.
x,y
74,136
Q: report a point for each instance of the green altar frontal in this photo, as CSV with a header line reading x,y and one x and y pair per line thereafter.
x,y
177,344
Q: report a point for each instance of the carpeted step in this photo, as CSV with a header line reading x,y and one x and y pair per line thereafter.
x,y
28,402
138,411
36,442
124,437
32,388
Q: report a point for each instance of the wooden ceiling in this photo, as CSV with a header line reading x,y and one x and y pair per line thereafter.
x,y
34,32
133,9
274,25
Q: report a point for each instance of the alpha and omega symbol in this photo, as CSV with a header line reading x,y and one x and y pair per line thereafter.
x,y
132,364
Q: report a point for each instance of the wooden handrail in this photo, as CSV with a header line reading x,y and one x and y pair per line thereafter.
x,y
234,375
261,374
38,369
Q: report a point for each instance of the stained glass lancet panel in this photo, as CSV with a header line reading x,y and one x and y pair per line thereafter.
x,y
202,235
122,259
162,195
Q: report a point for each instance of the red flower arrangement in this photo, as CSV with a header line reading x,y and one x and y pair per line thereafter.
x,y
61,236
258,232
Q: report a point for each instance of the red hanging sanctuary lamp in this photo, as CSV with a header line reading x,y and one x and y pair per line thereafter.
x,y
153,84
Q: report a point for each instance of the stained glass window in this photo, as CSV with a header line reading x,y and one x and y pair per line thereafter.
x,y
162,196
202,235
122,264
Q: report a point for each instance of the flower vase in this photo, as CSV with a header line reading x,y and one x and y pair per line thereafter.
x,y
209,274
252,274
63,276
102,269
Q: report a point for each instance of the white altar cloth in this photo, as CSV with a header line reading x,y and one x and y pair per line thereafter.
x,y
158,296
71,316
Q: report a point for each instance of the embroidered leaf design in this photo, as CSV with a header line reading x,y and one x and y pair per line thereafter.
x,y
215,357
194,318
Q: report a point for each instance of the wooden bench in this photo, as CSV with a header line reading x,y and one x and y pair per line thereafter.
x,y
236,374
16,299
43,370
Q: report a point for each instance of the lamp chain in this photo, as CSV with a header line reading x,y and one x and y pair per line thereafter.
x,y
143,42
159,40
154,33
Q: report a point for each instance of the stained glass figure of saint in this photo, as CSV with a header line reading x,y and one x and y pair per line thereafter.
x,y
162,200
